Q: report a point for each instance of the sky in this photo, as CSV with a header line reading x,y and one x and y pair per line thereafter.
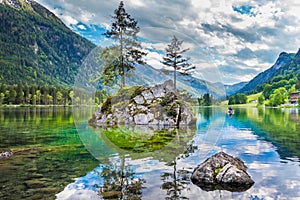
x,y
230,41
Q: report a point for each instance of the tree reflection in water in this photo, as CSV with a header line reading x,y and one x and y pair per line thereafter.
x,y
168,145
120,182
177,181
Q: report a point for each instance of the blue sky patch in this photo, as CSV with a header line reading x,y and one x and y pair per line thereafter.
x,y
92,32
244,9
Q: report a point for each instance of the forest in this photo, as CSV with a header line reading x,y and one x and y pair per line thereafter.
x,y
45,95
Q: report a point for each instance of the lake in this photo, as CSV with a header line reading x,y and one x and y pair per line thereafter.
x,y
59,156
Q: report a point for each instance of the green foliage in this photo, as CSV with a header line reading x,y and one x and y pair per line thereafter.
x,y
100,96
277,78
172,110
267,91
111,62
205,100
44,95
298,81
2,96
231,100
278,97
124,95
217,170
120,59
175,59
168,98
261,100
237,99
37,48
106,106
281,83
138,91
12,94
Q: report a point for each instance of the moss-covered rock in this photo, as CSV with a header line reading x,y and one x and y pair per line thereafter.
x,y
138,105
223,172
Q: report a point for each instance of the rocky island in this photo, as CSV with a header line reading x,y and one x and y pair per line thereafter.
x,y
138,105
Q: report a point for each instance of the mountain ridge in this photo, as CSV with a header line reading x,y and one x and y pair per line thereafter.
x,y
37,48
263,77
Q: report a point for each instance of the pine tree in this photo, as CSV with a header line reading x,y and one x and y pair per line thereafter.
x,y
12,95
175,59
27,94
2,88
207,99
53,93
20,94
121,58
2,95
59,97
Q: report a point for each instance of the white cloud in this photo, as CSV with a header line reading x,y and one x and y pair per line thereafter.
x,y
69,20
154,59
82,27
270,27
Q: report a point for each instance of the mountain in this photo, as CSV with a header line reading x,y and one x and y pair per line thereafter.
x,y
147,75
291,68
144,75
283,59
232,89
36,46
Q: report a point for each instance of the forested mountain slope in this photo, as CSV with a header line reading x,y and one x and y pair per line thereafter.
x,y
36,46
262,78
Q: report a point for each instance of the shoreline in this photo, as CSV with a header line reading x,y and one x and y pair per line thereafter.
x,y
43,106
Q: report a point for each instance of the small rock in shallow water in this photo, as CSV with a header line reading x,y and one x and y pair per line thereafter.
x,y
6,154
35,184
223,172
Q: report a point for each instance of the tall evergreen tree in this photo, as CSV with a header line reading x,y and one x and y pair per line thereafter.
x,y
20,94
207,99
175,59
119,59
27,94
54,95
12,95
2,88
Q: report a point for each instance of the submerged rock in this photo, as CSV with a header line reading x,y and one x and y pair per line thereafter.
x,y
138,105
6,154
223,172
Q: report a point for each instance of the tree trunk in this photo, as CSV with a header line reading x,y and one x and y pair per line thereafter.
x,y
123,72
174,78
122,62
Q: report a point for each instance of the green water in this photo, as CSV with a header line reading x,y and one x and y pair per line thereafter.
x,y
49,153
56,159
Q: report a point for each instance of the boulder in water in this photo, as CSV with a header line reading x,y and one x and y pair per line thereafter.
x,y
223,172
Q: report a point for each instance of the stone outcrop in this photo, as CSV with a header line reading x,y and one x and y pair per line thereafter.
x,y
138,105
222,172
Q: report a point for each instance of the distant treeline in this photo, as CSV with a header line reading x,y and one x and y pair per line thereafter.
x,y
238,99
44,95
206,100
